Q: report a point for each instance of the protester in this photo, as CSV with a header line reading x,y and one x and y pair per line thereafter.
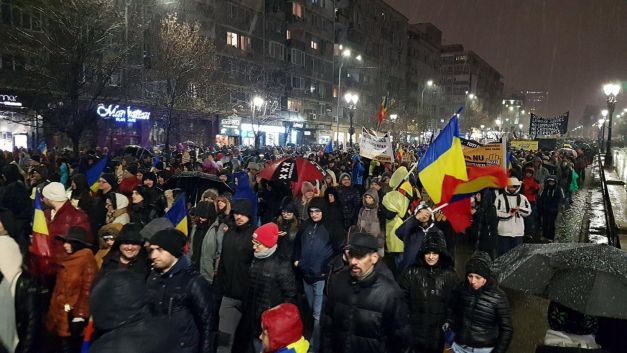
x,y
117,209
69,306
212,242
549,202
106,239
350,200
282,330
364,310
413,232
479,312
368,218
127,252
511,208
107,183
142,210
200,226
288,228
307,191
178,293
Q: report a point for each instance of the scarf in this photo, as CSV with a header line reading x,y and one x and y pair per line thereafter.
x,y
265,254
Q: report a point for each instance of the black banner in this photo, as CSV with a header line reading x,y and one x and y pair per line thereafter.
x,y
555,126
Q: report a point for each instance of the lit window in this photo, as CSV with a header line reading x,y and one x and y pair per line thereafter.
x,y
294,105
297,9
231,39
314,45
288,34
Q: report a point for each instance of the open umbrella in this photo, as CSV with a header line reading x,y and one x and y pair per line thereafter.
x,y
589,278
570,151
195,183
294,169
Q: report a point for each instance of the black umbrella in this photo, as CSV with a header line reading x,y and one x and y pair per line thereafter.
x,y
195,183
589,278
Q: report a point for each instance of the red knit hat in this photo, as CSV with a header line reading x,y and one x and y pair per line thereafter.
x,y
267,234
283,324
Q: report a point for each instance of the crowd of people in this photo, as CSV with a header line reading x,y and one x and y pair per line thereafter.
x,y
356,262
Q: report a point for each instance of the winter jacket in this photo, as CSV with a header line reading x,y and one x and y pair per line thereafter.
x,y
122,321
127,185
550,198
140,264
412,234
481,318
272,282
196,237
235,260
511,225
428,292
142,213
184,297
285,244
314,245
364,316
75,277
211,247
350,200
27,313
67,216
368,219
530,188
394,206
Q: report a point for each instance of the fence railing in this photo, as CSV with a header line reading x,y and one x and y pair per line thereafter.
x,y
610,222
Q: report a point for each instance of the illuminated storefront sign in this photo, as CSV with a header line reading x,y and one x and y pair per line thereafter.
x,y
122,115
9,100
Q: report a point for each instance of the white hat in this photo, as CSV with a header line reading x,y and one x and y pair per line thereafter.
x,y
121,201
54,192
513,181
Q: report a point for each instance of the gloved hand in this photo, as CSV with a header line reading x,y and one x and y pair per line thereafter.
x,y
76,326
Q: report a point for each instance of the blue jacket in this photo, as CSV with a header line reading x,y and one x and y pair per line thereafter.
x,y
244,191
412,235
313,250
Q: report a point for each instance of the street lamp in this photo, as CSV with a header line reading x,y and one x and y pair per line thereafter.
x,y
346,54
351,101
611,90
428,84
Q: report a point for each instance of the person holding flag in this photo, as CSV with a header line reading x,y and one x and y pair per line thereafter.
x,y
177,214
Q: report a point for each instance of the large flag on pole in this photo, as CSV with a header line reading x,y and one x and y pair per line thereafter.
x,y
443,158
94,173
40,242
177,214
383,111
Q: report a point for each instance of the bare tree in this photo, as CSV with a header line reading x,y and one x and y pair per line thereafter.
x,y
68,53
182,73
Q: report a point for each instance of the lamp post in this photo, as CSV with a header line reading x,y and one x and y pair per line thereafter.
x,y
602,121
611,90
422,95
351,103
346,54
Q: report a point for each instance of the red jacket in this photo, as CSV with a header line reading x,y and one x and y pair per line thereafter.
x,y
66,217
530,188
127,185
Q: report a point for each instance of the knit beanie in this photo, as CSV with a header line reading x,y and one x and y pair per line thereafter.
x,y
307,187
283,324
154,226
150,176
54,192
267,234
170,240
111,179
479,264
344,175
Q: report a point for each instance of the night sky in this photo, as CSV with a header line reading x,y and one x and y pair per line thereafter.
x,y
568,47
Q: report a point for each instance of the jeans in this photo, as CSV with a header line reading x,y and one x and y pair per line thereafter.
x,y
457,348
230,314
314,293
508,243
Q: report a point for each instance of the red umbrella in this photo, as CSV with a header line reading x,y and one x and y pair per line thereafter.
x,y
294,169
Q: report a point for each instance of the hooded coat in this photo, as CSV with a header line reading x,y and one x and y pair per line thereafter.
x,y
244,191
395,206
551,197
412,234
428,291
512,225
368,219
122,321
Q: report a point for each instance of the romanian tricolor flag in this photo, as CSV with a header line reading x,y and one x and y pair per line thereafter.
x,y
89,331
443,159
40,243
177,214
479,178
94,173
383,111
300,346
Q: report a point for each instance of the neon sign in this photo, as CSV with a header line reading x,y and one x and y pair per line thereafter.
x,y
9,100
127,115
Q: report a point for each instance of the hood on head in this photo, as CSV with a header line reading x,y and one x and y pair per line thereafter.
x,y
318,202
242,206
435,242
372,193
118,298
243,181
397,177
283,324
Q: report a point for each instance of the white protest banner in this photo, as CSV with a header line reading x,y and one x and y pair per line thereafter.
x,y
372,146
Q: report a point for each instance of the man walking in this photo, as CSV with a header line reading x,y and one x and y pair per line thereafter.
x,y
364,311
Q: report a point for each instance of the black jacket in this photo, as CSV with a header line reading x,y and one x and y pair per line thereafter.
x,y
235,259
184,297
428,291
122,321
111,261
27,313
272,282
481,318
350,200
142,213
364,316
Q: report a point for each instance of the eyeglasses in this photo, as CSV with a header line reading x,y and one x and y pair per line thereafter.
x,y
108,237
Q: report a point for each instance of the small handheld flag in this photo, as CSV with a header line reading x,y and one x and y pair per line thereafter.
x,y
177,214
40,243
94,173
